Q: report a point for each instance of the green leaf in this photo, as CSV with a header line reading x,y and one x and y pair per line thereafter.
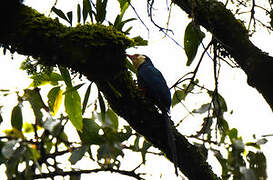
x,y
110,151
72,103
252,144
70,17
101,10
28,128
60,13
178,96
90,132
55,96
73,88
192,39
146,145
86,9
113,118
218,101
45,78
36,102
123,4
102,106
17,117
86,97
139,41
79,13
233,134
66,76
77,154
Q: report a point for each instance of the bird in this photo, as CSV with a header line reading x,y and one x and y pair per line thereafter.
x,y
151,81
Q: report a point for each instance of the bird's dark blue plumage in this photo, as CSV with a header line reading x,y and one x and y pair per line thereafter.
x,y
154,83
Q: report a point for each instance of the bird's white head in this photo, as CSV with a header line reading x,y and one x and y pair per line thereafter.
x,y
137,59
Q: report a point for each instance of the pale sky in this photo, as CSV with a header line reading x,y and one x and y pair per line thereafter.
x,y
251,115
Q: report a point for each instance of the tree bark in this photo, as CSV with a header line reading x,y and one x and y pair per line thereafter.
x,y
99,53
234,37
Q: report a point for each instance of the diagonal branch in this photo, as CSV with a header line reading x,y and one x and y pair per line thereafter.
x,y
233,36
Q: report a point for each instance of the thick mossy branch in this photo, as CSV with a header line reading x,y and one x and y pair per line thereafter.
x,y
234,37
96,48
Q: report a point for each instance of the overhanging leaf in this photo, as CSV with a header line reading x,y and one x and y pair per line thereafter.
x,y
192,39
72,103
66,76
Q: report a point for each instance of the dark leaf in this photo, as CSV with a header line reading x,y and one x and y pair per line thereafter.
x,y
101,10
178,96
257,162
87,9
79,13
192,39
113,117
60,13
233,134
86,97
17,117
77,154
146,145
90,132
1,119
35,99
70,17
102,106
66,76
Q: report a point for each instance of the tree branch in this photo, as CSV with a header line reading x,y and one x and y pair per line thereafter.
x,y
75,173
233,36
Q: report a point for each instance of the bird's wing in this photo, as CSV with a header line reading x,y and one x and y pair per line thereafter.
x,y
155,82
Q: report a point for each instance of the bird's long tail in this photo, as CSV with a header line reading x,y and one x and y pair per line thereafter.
x,y
171,140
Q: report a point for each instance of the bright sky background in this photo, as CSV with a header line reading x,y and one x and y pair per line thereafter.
x,y
251,114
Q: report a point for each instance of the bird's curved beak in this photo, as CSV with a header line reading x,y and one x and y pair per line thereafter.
x,y
131,56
